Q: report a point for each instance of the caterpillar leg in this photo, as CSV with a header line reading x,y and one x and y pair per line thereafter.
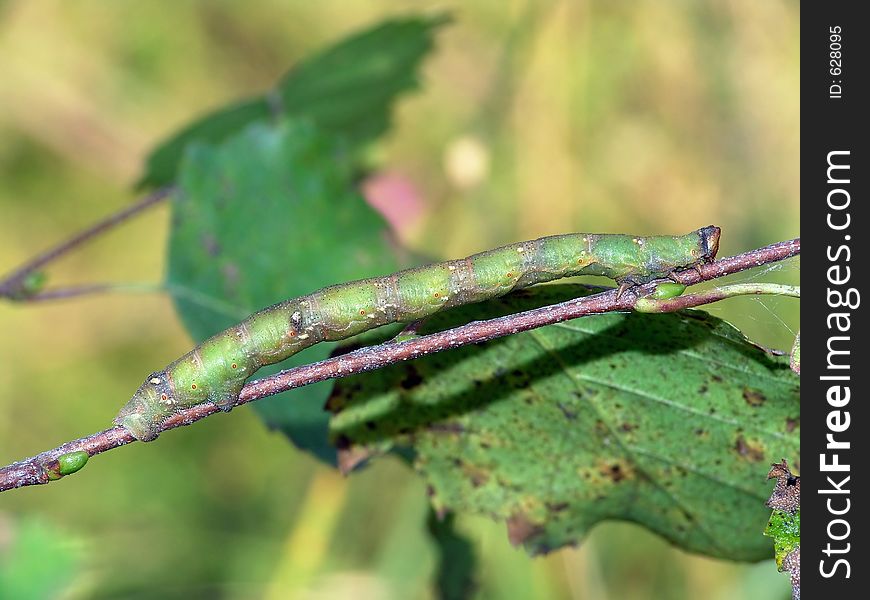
x,y
226,395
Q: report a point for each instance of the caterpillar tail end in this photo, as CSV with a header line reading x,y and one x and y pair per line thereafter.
x,y
149,407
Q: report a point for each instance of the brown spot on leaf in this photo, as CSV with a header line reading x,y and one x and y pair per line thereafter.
x,y
520,529
753,397
352,457
747,450
475,475
569,414
211,245
616,471
335,403
412,379
792,424
446,427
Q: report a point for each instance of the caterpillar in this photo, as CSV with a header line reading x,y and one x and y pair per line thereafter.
x,y
216,370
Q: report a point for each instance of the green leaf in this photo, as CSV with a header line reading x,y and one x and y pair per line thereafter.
x,y
161,166
270,215
347,89
39,561
457,563
664,420
785,529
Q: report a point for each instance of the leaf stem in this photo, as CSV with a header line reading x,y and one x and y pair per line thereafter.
x,y
13,285
34,470
63,293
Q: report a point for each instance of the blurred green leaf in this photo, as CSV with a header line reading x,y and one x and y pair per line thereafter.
x,y
347,89
270,215
162,164
39,563
664,420
457,563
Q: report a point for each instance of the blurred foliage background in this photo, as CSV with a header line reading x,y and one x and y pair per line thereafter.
x,y
534,118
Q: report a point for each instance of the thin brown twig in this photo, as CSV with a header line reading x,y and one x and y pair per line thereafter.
x,y
11,286
32,471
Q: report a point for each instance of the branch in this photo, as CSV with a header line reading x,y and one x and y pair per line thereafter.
x,y
42,468
14,285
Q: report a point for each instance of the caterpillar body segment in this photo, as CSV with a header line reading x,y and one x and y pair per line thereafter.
x,y
216,370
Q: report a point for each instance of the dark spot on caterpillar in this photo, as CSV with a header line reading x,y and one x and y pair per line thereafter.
x,y
509,274
362,312
193,386
164,397
234,366
437,294
291,333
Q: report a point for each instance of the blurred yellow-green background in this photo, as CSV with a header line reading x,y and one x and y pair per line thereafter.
x,y
535,117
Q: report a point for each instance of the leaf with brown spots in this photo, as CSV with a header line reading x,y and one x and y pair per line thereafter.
x,y
557,429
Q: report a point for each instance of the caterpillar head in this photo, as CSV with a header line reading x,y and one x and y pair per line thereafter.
x,y
148,408
709,242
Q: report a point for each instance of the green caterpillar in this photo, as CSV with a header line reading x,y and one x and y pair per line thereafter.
x,y
216,370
